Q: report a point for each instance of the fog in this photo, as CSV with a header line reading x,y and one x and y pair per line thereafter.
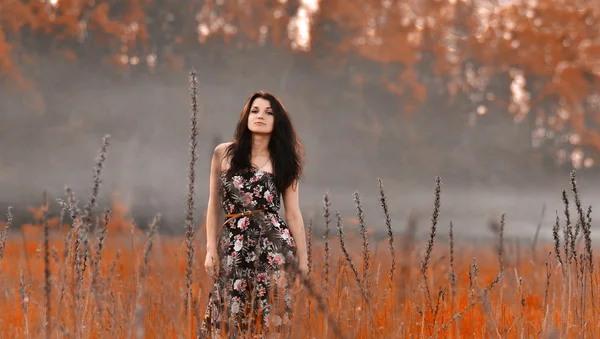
x,y
148,158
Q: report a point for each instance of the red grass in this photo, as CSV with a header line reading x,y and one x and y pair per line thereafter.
x,y
400,313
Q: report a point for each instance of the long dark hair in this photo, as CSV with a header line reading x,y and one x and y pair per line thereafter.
x,y
285,148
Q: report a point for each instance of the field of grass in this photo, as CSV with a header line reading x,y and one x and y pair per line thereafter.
x,y
135,283
89,273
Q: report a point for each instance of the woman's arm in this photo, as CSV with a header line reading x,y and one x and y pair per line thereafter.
x,y
213,211
293,218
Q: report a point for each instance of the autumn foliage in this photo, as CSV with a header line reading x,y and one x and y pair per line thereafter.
x,y
537,60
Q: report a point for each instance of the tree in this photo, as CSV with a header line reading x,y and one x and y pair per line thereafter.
x,y
535,60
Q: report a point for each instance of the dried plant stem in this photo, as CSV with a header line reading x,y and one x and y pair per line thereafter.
x,y
537,232
582,298
522,302
474,302
452,277
441,294
67,259
347,255
501,243
138,316
309,250
582,222
590,257
431,241
365,246
388,224
70,248
81,249
326,285
567,315
501,256
569,238
365,295
95,287
546,306
189,220
25,293
556,237
47,283
4,233
87,213
310,261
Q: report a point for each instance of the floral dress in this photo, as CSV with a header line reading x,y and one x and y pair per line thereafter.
x,y
251,291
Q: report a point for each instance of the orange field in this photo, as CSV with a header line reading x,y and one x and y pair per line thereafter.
x,y
534,296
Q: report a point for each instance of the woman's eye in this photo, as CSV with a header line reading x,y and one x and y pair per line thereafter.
x,y
270,113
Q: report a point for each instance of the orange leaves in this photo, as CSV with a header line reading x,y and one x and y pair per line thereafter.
x,y
419,92
100,21
349,14
70,55
536,40
8,68
571,84
438,37
68,20
14,15
409,86
590,56
371,29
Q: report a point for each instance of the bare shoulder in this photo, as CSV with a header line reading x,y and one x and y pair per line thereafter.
x,y
219,155
220,149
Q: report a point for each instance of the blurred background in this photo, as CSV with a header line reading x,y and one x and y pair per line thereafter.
x,y
500,98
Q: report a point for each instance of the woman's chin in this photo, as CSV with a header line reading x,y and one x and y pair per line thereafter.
x,y
260,131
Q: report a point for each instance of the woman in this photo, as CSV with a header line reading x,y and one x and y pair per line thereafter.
x,y
254,254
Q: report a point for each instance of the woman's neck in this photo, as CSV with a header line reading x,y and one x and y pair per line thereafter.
x,y
260,144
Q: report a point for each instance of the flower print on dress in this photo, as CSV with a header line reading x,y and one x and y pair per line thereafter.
x,y
238,245
238,182
252,250
243,223
274,221
268,196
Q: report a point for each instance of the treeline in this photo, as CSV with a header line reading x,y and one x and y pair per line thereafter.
x,y
536,61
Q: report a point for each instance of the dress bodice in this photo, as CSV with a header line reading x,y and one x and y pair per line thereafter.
x,y
248,190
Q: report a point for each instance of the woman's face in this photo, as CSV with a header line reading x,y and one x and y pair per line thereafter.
x,y
261,118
